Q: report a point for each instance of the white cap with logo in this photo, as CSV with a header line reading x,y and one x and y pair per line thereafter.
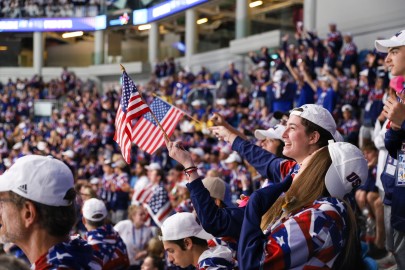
x,y
182,225
319,116
42,179
348,169
396,40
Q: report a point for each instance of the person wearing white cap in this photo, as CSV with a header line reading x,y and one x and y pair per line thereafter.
x,y
239,177
37,202
185,243
394,110
107,244
272,139
312,225
350,126
308,129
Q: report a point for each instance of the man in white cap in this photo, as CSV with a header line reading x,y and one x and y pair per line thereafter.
x,y
107,244
37,202
394,110
185,243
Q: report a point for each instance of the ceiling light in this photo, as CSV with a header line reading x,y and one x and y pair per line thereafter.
x,y
255,4
202,20
144,27
72,34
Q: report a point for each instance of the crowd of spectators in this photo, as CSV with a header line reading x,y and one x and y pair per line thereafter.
x,y
329,72
49,8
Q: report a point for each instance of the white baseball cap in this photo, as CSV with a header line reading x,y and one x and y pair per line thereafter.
x,y
233,157
153,166
347,107
278,75
94,210
41,179
182,225
275,132
364,72
319,116
198,151
347,171
69,153
396,40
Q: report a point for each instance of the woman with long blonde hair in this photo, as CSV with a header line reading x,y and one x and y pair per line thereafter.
x,y
311,225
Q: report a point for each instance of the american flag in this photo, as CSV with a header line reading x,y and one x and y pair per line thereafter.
x,y
159,207
147,134
131,107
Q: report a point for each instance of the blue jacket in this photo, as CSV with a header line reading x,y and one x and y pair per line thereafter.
x,y
393,142
227,221
216,221
251,242
266,163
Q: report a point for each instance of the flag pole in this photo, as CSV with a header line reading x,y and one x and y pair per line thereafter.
x,y
185,113
153,115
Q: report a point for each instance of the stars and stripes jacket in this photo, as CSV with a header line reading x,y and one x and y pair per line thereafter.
x,y
311,238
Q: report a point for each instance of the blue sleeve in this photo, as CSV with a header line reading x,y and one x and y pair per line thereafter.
x,y
216,221
252,240
393,141
266,163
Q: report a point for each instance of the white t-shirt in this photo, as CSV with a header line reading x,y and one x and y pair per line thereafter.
x,y
135,239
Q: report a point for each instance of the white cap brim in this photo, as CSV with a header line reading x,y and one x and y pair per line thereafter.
x,y
384,44
261,134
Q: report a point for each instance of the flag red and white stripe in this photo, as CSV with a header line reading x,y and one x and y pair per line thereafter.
x,y
147,134
131,106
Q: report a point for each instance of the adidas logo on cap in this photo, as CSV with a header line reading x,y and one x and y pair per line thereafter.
x,y
23,188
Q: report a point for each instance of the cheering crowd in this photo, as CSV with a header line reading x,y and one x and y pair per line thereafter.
x,y
271,169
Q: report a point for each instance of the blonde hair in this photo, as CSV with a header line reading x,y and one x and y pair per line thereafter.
x,y
308,186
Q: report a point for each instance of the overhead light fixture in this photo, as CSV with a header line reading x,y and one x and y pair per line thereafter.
x,y
3,48
72,34
202,20
144,27
255,4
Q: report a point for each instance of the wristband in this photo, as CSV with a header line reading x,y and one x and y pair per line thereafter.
x,y
190,168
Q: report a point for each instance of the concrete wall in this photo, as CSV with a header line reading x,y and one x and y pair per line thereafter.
x,y
365,19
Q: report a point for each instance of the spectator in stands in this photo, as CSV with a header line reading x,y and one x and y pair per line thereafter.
x,y
120,188
106,242
303,136
185,242
280,94
349,127
322,212
232,78
152,263
38,211
349,54
135,234
394,110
